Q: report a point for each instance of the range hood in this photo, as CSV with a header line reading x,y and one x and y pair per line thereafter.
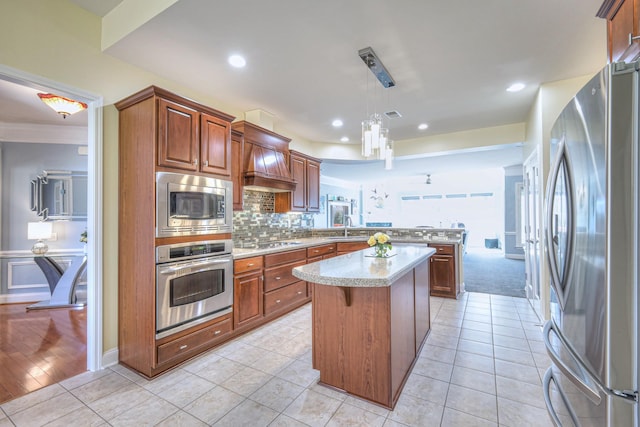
x,y
265,166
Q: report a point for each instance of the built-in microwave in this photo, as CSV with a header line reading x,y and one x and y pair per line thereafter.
x,y
190,205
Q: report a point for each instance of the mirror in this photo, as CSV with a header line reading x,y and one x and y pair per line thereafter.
x,y
60,195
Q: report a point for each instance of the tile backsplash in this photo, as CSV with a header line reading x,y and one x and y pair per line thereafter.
x,y
258,222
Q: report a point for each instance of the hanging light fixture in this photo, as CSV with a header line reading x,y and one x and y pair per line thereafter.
x,y
62,105
375,137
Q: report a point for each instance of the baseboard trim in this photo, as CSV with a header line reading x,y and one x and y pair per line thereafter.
x,y
110,358
514,256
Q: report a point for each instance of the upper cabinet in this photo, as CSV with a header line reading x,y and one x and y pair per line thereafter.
x,y
306,197
190,136
265,158
623,25
237,140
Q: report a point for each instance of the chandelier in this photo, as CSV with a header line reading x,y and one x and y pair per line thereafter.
x,y
61,105
375,137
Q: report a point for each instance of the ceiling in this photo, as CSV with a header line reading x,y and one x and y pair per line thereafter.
x,y
451,61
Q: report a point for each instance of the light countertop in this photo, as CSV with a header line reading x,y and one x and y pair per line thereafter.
x,y
361,269
239,253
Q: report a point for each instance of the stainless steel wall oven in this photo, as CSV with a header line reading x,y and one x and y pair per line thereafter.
x,y
194,284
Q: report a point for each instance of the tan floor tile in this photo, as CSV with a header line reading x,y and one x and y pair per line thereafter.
x,y
476,347
101,387
476,326
363,404
83,416
411,411
299,373
516,332
84,378
248,414
32,399
474,379
520,391
277,394
441,354
445,330
181,419
114,404
218,371
246,381
352,416
186,391
517,414
481,318
518,372
312,408
511,342
453,418
472,402
442,340
513,355
475,361
47,411
284,421
471,335
433,369
426,388
152,412
213,405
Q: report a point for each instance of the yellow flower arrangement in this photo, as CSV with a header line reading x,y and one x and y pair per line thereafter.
x,y
381,243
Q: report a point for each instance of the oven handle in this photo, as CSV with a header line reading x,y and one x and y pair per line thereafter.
x,y
183,266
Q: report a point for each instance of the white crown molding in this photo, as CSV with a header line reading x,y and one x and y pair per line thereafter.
x,y
39,133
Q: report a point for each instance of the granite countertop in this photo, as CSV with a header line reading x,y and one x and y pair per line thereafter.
x,y
360,269
289,245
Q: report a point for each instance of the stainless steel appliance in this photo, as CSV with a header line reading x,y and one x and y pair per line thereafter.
x,y
191,205
194,283
592,248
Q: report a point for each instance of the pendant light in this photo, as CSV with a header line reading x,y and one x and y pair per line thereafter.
x,y
61,105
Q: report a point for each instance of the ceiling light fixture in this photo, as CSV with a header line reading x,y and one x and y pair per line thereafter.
x,y
336,123
375,137
237,61
344,139
62,105
423,126
516,87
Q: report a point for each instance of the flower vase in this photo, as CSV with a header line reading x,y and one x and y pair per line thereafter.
x,y
380,251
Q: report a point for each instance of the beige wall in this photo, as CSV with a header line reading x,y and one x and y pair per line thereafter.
x,y
59,41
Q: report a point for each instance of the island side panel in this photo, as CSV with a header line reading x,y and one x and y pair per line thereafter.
x,y
403,335
352,344
423,314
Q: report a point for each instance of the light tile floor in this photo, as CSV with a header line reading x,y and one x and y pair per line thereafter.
x,y
482,365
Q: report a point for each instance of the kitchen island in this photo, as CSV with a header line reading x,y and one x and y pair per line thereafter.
x,y
370,319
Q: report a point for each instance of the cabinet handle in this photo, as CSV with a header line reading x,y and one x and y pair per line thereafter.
x,y
277,277
299,292
182,347
250,265
217,332
195,162
206,162
632,38
316,251
277,301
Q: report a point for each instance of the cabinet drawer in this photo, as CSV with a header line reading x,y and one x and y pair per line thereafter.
x,y
443,249
321,250
351,246
278,277
193,341
247,264
283,297
284,257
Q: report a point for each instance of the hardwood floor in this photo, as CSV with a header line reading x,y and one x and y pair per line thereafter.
x,y
39,348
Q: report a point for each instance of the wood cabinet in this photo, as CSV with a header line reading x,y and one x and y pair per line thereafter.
x,y
248,287
366,344
347,247
305,170
321,251
444,280
159,131
623,25
237,150
265,158
281,289
193,140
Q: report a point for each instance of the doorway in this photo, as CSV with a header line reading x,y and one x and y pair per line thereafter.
x,y
532,240
94,200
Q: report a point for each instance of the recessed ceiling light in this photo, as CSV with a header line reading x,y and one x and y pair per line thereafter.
x,y
237,61
336,123
516,87
423,126
344,139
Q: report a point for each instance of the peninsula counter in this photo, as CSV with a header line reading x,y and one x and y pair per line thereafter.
x,y
370,319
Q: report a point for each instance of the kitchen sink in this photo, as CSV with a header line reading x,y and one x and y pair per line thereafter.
x,y
269,245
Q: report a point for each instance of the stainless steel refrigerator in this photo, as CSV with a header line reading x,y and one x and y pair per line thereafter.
x,y
591,238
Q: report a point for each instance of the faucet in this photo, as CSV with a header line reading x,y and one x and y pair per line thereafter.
x,y
348,222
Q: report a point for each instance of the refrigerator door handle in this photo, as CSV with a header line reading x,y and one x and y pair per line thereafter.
x,y
592,394
561,163
546,391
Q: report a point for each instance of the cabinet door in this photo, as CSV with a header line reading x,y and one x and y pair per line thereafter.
x,y
622,23
236,171
215,148
442,275
247,299
299,195
313,186
177,136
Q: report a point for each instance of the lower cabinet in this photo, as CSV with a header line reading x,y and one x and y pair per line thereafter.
x,y
174,350
444,281
248,286
347,247
284,297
